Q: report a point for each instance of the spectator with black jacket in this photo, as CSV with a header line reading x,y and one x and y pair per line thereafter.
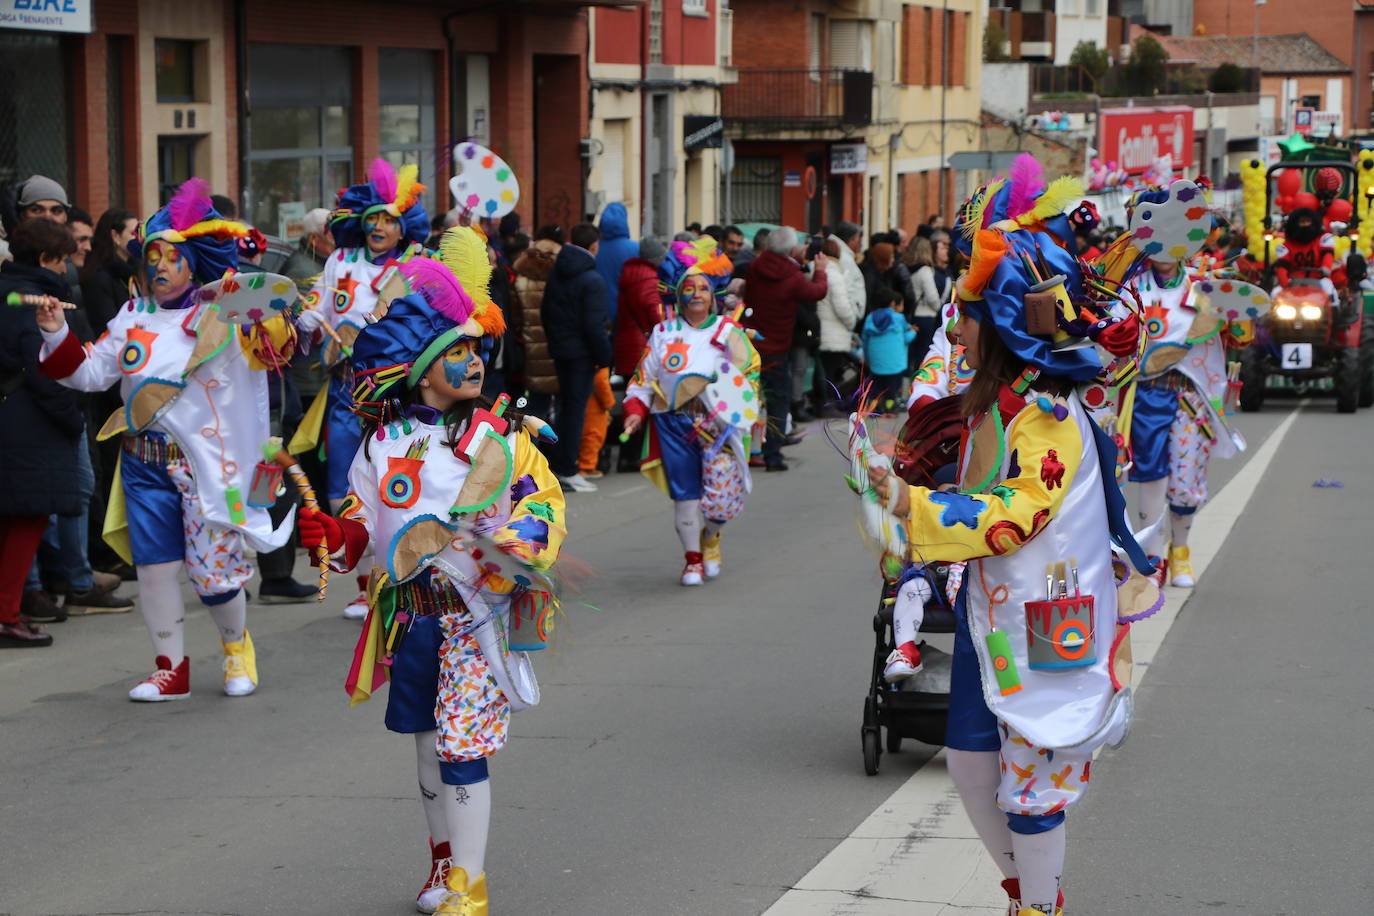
x,y
41,424
109,267
574,317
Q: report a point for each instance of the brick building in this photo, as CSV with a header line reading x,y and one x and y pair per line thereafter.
x,y
655,124
279,106
851,111
1345,28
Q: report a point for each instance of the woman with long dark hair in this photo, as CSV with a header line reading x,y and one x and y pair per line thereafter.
x,y
1033,691
109,270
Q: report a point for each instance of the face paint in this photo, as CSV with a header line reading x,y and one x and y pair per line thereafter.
x,y
383,231
457,362
694,298
455,376
167,272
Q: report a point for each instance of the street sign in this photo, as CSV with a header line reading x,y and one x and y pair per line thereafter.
x,y
791,178
848,158
982,160
1137,138
702,132
1302,121
46,15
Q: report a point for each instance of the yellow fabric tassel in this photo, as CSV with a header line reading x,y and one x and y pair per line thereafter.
x,y
115,531
307,435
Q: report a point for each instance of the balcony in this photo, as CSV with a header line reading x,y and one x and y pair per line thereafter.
x,y
800,99
1028,35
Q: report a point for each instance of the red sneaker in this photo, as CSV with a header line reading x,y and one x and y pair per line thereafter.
x,y
694,573
1013,888
435,889
166,683
904,662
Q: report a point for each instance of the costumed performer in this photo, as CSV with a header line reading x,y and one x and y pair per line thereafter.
x,y
194,421
1032,693
697,386
445,485
1176,412
374,224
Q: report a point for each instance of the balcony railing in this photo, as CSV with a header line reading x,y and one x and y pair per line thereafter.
x,y
800,98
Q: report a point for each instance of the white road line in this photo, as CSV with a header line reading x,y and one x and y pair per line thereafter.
x,y
917,854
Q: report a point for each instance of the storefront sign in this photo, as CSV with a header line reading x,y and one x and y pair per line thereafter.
x,y
46,15
1136,138
848,158
702,132
1326,123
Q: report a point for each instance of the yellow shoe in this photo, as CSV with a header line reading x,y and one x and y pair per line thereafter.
x,y
1057,912
1180,568
464,899
710,554
240,667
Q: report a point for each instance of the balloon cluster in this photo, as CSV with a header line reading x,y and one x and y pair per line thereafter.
x,y
1291,196
1252,183
1364,184
1105,175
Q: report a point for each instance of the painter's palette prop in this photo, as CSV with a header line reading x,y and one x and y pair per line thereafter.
x,y
1175,229
486,186
729,398
1231,298
247,298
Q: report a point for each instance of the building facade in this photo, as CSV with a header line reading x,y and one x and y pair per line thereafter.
x,y
655,133
279,106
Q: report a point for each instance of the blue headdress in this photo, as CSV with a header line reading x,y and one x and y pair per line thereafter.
x,y
685,259
207,241
386,190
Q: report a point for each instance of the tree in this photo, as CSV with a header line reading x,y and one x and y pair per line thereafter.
x,y
1145,70
1090,57
994,38
1228,78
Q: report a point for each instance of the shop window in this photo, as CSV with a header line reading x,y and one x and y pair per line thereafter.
x,y
406,111
33,108
175,69
300,150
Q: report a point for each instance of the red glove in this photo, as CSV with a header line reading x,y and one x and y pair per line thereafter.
x,y
315,528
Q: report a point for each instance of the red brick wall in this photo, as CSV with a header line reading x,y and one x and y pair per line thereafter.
x,y
90,179
619,35
918,196
688,40
771,34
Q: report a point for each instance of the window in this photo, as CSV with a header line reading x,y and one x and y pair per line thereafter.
x,y
756,189
655,31
300,149
851,44
176,163
33,108
695,8
406,112
1311,101
612,161
175,70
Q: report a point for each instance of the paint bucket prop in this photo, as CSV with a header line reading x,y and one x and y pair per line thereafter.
x,y
531,620
1060,633
267,476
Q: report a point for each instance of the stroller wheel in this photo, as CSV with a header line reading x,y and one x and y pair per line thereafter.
x,y
894,741
871,752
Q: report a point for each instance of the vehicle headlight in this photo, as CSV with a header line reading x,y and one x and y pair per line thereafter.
x,y
1311,312
1285,312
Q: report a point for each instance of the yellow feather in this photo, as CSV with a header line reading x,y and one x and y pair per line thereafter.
x,y
978,207
408,187
462,251
1052,201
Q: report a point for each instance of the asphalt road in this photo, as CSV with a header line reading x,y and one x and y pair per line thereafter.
x,y
697,750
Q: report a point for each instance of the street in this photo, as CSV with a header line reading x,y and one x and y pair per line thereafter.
x,y
697,750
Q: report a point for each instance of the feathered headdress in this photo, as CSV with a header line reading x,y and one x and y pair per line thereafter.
x,y
386,190
190,222
685,259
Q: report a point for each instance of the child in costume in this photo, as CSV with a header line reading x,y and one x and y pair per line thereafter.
x,y
194,421
463,515
697,385
374,224
1175,408
1033,692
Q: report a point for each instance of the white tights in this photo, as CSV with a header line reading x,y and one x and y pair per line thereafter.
x,y
457,815
976,775
690,524
1153,496
164,613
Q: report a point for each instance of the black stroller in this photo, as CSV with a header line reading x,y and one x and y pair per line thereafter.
x,y
918,706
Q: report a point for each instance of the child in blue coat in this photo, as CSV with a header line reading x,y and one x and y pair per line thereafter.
x,y
886,335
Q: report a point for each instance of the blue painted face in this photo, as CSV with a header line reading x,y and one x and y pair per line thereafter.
x,y
383,232
167,273
455,376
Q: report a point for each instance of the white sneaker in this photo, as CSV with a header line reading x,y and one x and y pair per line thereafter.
x,y
357,608
578,484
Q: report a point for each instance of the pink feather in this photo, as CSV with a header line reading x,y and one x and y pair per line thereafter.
x,y
382,176
684,253
1027,181
190,204
440,288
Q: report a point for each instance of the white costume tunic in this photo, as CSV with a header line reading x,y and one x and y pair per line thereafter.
x,y
344,297
219,418
402,488
1032,497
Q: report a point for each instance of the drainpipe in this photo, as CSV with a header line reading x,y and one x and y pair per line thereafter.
x,y
944,91
244,135
1207,140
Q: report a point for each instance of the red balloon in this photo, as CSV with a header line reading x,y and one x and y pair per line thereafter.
x,y
1284,202
1339,210
1328,179
1306,199
1290,182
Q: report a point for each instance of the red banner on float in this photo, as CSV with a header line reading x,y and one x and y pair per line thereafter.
x,y
1135,138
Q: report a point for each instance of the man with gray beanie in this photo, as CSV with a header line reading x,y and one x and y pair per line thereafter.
x,y
39,197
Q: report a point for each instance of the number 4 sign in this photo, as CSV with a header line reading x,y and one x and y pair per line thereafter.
x,y
1297,356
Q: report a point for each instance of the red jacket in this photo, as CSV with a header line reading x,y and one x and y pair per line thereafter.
x,y
638,310
774,286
